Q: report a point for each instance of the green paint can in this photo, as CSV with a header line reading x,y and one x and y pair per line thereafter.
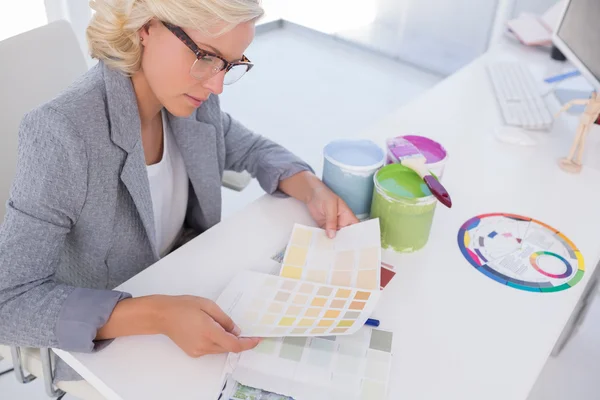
x,y
404,206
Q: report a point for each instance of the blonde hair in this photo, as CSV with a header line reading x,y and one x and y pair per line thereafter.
x,y
113,37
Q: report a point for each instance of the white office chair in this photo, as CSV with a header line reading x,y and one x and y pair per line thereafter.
x,y
35,67
236,181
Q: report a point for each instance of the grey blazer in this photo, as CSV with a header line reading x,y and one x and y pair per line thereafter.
x,y
79,218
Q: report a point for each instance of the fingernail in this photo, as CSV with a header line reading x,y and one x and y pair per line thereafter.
x,y
330,234
236,330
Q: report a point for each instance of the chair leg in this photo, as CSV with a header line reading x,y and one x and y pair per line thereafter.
x,y
7,371
46,356
18,366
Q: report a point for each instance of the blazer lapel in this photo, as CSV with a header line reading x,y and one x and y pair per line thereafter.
x,y
135,178
125,131
197,142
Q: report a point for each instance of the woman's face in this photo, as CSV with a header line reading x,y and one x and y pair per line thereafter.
x,y
166,64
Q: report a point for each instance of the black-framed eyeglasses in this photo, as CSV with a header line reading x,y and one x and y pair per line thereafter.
x,y
208,64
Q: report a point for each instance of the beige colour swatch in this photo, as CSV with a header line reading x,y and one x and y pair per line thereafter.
x,y
352,258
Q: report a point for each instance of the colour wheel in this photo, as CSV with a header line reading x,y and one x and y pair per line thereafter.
x,y
521,252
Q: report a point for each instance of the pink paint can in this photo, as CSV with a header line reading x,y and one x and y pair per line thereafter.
x,y
435,154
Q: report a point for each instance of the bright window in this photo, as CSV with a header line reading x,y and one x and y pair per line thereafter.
x,y
18,16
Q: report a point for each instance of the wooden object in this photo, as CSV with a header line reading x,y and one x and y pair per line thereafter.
x,y
573,162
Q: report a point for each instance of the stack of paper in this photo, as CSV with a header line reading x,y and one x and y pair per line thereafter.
x,y
355,367
313,317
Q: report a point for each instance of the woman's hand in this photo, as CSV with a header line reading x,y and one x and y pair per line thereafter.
x,y
327,209
199,327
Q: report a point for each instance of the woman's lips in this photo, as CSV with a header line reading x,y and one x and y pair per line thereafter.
x,y
196,102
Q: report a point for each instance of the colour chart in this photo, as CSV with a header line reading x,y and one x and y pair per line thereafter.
x,y
355,367
351,259
388,271
270,306
521,252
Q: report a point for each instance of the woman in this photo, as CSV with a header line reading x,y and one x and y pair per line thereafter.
x,y
113,170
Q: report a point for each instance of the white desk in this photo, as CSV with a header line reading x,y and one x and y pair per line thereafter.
x,y
458,334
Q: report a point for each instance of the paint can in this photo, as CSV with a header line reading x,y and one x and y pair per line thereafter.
x,y
405,208
435,154
349,166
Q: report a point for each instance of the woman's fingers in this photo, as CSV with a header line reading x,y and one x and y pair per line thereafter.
x,y
247,344
331,218
229,342
215,312
346,216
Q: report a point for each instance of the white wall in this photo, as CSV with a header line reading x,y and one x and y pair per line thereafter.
x,y
455,25
440,35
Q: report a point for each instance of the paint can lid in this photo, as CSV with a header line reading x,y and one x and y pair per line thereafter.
x,y
432,150
402,183
355,154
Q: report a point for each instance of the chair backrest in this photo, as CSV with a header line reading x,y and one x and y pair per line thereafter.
x,y
34,67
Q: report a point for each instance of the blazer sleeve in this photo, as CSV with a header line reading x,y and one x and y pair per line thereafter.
x,y
264,159
46,198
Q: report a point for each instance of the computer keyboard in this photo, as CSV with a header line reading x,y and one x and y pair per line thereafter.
x,y
518,96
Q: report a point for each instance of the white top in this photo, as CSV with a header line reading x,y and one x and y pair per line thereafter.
x,y
457,333
169,189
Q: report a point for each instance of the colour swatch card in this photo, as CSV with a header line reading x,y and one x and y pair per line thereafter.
x,y
270,306
388,271
355,367
521,252
351,259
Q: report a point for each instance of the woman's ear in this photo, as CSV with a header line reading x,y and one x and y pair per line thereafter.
x,y
144,33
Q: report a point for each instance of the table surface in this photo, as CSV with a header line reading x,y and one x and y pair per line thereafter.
x,y
457,334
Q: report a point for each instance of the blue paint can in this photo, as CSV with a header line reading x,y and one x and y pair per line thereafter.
x,y
348,170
